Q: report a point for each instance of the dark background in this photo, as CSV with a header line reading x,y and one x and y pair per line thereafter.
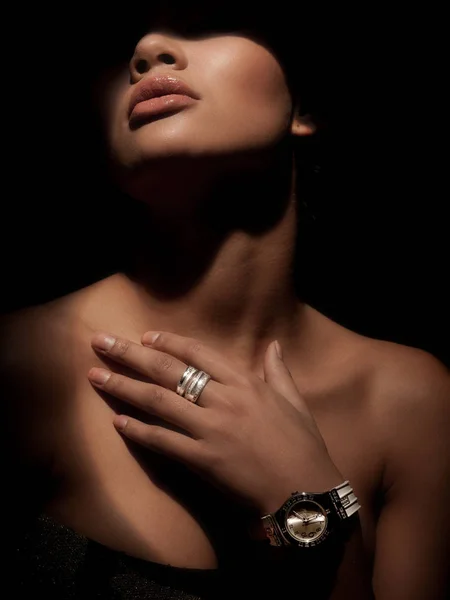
x,y
374,255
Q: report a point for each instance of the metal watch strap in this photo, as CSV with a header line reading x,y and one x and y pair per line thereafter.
x,y
344,501
272,531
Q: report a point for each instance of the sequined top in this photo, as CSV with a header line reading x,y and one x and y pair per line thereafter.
x,y
54,562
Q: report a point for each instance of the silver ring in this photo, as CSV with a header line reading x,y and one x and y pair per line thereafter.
x,y
192,383
197,388
185,378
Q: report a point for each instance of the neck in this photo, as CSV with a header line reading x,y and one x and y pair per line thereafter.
x,y
224,272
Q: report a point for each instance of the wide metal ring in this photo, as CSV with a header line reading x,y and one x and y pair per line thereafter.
x,y
192,383
185,379
194,391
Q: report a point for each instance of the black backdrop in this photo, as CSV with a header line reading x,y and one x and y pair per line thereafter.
x,y
376,254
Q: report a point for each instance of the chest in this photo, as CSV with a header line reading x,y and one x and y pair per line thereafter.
x,y
147,506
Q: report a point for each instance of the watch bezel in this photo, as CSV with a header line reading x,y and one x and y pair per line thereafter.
x,y
283,513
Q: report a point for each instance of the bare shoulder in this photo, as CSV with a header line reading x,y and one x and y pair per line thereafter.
x,y
410,394
39,358
407,393
31,339
408,382
40,340
405,396
39,352
396,376
45,351
406,388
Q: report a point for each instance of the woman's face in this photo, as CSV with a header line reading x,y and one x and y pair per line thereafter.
x,y
195,95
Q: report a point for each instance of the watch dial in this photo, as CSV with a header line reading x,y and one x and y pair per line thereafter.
x,y
306,521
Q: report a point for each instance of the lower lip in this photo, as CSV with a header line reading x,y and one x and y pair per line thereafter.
x,y
158,106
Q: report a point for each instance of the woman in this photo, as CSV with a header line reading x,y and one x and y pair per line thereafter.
x,y
154,481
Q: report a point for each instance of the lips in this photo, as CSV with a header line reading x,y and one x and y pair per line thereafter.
x,y
170,91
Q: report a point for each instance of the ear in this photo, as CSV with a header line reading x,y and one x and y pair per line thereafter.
x,y
302,125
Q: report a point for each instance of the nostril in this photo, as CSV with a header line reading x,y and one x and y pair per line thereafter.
x,y
141,66
167,59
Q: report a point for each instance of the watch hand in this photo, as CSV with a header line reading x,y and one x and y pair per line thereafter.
x,y
314,518
299,516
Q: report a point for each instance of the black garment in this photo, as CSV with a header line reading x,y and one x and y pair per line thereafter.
x,y
51,561
55,563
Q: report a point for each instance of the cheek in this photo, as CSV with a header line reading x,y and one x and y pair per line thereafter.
x,y
253,90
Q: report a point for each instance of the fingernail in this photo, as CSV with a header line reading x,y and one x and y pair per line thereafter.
x,y
103,342
149,338
278,349
99,376
120,422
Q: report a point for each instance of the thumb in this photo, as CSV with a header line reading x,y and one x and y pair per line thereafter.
x,y
278,376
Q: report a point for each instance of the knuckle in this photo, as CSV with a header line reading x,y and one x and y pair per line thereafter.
x,y
214,460
216,424
179,404
194,349
234,407
157,434
244,380
163,362
225,402
158,395
239,411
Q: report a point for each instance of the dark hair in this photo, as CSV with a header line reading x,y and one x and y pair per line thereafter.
x,y
61,62
300,35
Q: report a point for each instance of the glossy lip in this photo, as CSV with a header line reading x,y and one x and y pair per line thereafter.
x,y
158,108
157,86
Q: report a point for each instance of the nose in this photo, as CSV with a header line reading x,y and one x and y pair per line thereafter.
x,y
154,51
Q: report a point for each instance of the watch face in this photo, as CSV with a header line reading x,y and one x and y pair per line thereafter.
x,y
306,521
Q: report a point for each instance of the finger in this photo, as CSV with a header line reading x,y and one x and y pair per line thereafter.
x,y
278,376
195,353
151,398
158,366
164,441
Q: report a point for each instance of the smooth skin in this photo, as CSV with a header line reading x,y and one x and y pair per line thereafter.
x,y
248,437
337,406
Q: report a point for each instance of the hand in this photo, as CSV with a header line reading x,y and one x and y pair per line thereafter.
x,y
255,439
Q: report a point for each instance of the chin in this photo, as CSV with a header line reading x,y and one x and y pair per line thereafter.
x,y
158,150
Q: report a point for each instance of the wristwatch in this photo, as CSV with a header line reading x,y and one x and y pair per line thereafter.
x,y
306,519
